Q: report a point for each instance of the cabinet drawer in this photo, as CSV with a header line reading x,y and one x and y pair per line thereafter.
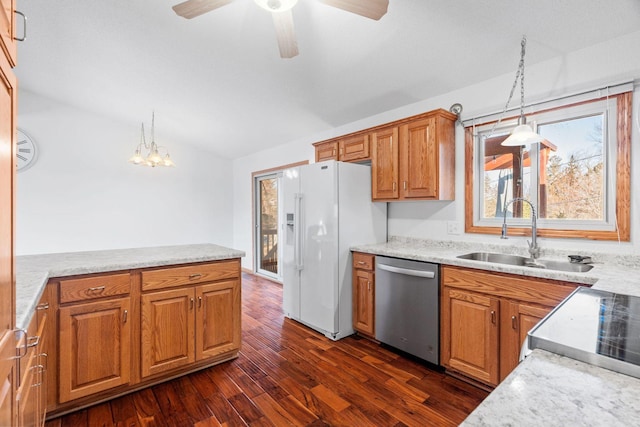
x,y
178,276
363,261
94,287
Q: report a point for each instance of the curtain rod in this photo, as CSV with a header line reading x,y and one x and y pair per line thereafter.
x,y
559,98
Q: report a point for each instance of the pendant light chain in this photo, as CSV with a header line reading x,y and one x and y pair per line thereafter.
x,y
520,76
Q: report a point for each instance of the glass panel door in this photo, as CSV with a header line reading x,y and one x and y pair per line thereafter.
x,y
266,227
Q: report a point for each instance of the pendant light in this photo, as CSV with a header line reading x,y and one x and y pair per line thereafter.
x,y
522,134
153,158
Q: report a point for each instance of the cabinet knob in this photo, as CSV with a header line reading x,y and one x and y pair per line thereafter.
x,y
195,276
493,317
191,301
43,306
125,314
96,289
514,322
369,286
199,302
404,185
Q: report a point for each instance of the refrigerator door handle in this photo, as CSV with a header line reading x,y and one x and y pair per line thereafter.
x,y
407,271
297,235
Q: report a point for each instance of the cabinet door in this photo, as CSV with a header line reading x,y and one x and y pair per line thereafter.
x,y
327,151
470,334
354,148
7,30
363,301
419,159
218,319
7,378
95,347
517,320
384,164
167,330
8,116
45,310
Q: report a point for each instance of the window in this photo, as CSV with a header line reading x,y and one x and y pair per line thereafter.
x,y
578,178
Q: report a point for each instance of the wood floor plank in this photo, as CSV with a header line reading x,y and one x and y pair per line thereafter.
x,y
289,375
100,415
124,412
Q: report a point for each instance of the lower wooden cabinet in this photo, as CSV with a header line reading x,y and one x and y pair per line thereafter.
x,y
218,315
182,326
485,318
116,332
95,347
364,293
32,374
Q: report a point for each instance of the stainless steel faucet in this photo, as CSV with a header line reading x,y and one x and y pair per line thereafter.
x,y
534,250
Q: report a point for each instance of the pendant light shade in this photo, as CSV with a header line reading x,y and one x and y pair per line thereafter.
x,y
523,134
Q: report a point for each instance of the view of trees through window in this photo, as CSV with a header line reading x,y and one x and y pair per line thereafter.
x,y
564,175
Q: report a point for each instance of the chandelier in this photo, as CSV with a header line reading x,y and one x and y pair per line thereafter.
x,y
153,157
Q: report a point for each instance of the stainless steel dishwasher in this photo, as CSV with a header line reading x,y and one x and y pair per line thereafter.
x,y
407,306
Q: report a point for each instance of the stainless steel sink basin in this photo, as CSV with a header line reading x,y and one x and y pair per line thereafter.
x,y
527,262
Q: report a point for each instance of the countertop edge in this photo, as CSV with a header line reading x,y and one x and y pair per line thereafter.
x,y
34,271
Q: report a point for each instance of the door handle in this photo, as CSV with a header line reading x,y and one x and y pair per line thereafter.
x,y
407,271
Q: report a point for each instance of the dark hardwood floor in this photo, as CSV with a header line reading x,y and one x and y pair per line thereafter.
x,y
289,375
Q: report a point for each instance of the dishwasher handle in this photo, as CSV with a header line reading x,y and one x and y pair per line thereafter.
x,y
407,271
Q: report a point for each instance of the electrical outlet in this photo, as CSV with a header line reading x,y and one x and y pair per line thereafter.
x,y
453,227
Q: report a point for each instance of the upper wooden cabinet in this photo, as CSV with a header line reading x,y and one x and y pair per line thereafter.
x,y
384,164
7,30
351,148
327,150
411,159
421,165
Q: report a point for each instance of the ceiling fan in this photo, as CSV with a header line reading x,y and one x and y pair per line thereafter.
x,y
282,16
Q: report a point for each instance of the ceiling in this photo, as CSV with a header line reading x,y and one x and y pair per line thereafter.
x,y
218,82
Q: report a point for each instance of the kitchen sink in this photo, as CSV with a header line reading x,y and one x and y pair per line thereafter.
x,y
572,267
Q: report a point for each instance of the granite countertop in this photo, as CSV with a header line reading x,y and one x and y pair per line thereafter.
x,y
33,271
546,388
619,274
551,390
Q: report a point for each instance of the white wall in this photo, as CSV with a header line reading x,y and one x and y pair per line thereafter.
x,y
610,62
82,194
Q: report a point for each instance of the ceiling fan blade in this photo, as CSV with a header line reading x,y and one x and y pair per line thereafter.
x,y
192,8
285,33
373,9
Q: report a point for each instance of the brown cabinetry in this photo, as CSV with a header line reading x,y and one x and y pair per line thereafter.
x,y
421,164
94,334
191,323
486,316
32,373
8,118
364,293
7,30
350,148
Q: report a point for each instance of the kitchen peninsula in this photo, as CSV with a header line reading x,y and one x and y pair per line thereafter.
x,y
121,320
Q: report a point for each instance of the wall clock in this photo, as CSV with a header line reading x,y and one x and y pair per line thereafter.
x,y
26,151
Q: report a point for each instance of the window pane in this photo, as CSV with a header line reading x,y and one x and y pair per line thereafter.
x,y
506,176
572,169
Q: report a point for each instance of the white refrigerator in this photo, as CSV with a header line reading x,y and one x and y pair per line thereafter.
x,y
327,209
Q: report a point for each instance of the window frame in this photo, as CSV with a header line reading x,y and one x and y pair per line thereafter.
x,y
623,123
